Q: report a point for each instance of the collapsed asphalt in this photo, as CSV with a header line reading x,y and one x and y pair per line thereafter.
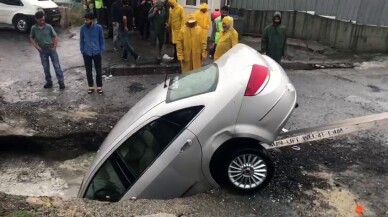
x,y
326,178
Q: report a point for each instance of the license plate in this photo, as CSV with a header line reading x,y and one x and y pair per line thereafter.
x,y
55,19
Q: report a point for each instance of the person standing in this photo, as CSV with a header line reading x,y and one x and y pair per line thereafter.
x,y
158,18
175,22
115,13
92,45
144,7
127,24
228,38
191,46
274,41
100,11
45,40
203,20
217,28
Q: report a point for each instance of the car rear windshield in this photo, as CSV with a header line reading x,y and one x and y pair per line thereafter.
x,y
200,81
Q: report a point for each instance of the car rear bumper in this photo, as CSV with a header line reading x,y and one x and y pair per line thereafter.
x,y
53,15
53,19
283,109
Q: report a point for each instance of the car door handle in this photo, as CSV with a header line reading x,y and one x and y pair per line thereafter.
x,y
186,145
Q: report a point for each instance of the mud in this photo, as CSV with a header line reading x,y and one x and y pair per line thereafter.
x,y
48,138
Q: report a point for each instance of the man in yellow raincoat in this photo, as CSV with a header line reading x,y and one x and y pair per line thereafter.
x,y
203,19
191,46
176,21
228,37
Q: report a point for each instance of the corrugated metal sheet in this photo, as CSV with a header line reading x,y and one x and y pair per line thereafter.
x,y
326,7
305,5
348,9
370,12
265,5
384,17
283,5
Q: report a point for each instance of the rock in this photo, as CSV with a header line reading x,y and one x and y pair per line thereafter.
x,y
44,201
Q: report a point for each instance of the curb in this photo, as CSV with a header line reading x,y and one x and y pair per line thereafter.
x,y
175,68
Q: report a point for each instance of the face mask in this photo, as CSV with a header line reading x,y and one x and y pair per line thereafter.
x,y
277,22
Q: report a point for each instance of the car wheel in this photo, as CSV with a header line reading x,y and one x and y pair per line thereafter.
x,y
22,23
248,170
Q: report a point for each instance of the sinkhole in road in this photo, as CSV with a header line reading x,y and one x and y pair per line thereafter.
x,y
46,166
143,70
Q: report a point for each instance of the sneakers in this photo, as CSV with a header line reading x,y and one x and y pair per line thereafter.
x,y
48,85
62,86
138,57
124,57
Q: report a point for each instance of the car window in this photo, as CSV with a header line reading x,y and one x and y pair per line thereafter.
x,y
12,2
136,154
144,146
200,81
106,185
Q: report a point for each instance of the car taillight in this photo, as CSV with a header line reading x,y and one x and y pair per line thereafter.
x,y
259,77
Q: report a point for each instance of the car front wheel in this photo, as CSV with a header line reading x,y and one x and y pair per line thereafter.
x,y
22,23
248,170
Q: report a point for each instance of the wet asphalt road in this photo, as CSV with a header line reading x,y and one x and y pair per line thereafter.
x,y
327,178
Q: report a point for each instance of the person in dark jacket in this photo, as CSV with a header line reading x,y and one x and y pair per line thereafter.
x,y
126,26
116,17
158,18
274,41
144,7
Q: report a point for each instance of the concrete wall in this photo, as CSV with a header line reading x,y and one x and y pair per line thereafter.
x,y
334,33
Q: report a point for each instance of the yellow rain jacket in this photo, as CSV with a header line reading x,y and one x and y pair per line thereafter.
x,y
203,20
176,19
191,48
227,40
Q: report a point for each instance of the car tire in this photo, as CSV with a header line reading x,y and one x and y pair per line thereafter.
x,y
22,23
247,170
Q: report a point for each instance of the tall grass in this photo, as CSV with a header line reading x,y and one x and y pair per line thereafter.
x,y
77,13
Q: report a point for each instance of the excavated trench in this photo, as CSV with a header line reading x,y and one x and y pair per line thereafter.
x,y
46,166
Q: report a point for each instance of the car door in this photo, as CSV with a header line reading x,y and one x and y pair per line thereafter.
x,y
178,168
157,155
7,10
175,172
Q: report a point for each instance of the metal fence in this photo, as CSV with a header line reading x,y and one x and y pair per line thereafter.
x,y
367,12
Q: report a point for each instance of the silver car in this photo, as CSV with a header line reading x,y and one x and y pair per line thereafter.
x,y
196,132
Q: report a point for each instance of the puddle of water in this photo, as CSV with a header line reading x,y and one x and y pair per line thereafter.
x,y
343,200
378,63
33,176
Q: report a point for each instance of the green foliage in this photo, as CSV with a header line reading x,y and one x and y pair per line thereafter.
x,y
22,214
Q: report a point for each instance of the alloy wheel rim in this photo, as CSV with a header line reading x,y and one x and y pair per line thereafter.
x,y
247,171
22,24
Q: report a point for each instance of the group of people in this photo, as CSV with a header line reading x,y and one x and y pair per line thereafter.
x,y
189,35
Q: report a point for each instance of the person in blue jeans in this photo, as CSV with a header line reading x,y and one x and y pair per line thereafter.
x,y
92,45
126,25
45,40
